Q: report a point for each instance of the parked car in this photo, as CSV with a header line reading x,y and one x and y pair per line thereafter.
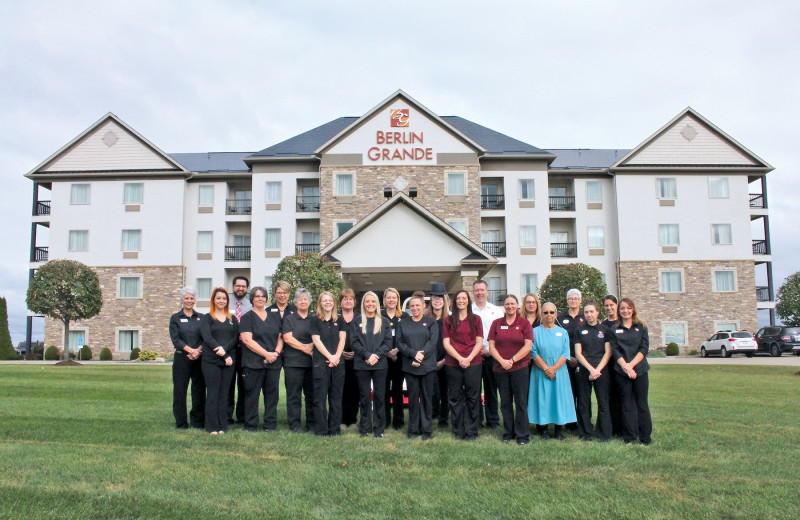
x,y
778,339
727,342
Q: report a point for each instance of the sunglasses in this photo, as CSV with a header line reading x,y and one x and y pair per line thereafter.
x,y
548,312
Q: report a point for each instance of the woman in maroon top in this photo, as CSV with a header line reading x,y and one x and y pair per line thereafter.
x,y
510,339
463,341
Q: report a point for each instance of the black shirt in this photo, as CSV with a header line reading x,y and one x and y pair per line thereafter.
x,y
301,331
565,321
290,309
217,333
414,336
593,339
627,342
184,331
266,333
328,332
364,345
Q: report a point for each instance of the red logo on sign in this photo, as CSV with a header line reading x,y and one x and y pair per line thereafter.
x,y
399,117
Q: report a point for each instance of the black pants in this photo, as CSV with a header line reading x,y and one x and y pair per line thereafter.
x,y
513,388
299,380
601,388
394,394
328,387
369,382
464,392
236,391
218,380
258,382
614,401
420,403
350,395
441,408
489,414
183,371
636,419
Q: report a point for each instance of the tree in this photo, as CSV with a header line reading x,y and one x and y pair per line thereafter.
x,y
65,290
310,270
788,306
588,280
6,347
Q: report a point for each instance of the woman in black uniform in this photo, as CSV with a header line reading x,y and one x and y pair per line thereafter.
x,y
260,333
328,335
614,399
371,339
220,336
184,331
394,376
297,376
630,342
416,340
350,397
439,308
593,351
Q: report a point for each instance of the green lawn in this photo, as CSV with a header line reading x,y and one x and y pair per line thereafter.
x,y
98,442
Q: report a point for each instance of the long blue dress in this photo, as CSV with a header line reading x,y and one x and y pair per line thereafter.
x,y
550,401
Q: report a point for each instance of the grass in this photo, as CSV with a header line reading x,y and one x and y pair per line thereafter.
x,y
99,442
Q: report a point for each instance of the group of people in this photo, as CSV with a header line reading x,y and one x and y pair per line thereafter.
x,y
339,362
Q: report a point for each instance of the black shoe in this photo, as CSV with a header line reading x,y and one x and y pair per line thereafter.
x,y
364,435
545,434
506,440
426,437
522,442
182,427
494,426
442,424
269,430
250,430
298,430
412,436
379,436
559,435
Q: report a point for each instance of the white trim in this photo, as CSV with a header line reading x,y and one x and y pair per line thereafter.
x,y
733,270
685,325
671,270
117,330
120,276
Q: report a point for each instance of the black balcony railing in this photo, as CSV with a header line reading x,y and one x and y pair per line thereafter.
x,y
762,293
43,207
494,248
564,250
306,248
757,201
760,247
495,296
562,203
493,201
40,254
307,203
239,206
237,253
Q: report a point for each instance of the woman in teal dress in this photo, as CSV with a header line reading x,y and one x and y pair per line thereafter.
x,y
550,398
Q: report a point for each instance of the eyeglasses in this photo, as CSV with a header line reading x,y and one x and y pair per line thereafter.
x,y
548,312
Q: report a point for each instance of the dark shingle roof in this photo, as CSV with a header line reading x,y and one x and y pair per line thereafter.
x,y
306,143
581,159
213,161
494,142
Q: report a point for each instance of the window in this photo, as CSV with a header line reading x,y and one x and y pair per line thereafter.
x,y
718,187
203,289
594,191
529,283
666,188
596,236
669,235
131,239
133,193
674,333
456,183
241,240
671,281
77,338
309,237
458,225
527,236
79,194
205,241
127,340
526,189
726,325
490,235
344,184
78,240
721,234
130,287
272,238
341,228
205,195
724,281
559,237
273,194
268,284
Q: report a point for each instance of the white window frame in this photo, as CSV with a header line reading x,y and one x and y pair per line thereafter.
x,y
201,297
205,233
522,234
602,237
726,190
663,243
684,324
714,234
522,283
140,288
458,221
600,189
82,330
661,288
447,175
69,240
280,238
72,194
336,176
200,189
714,280
718,325
122,240
336,233
125,193
267,192
532,195
659,186
119,330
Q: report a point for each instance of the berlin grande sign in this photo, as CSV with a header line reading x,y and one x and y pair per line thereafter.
x,y
394,144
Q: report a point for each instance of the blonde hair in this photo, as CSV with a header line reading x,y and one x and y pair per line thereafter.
x,y
212,309
524,312
388,290
376,329
321,311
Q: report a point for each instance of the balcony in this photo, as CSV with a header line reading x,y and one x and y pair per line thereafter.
x,y
239,207
42,207
762,293
760,247
237,253
306,248
493,201
562,203
495,296
494,248
39,254
757,201
307,203
564,249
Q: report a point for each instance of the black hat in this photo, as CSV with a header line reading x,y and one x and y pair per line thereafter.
x,y
438,289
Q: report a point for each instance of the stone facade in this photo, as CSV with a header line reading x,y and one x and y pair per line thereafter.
x,y
149,314
702,306
370,181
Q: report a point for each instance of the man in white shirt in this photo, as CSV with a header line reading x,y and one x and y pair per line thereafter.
x,y
488,313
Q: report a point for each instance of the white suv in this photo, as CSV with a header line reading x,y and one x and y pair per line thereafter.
x,y
726,343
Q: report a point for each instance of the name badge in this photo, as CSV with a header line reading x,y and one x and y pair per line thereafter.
x,y
620,331
558,334
274,310
184,320
503,327
392,332
600,335
566,321
584,332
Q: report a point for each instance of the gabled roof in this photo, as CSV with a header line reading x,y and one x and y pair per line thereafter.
x,y
585,159
177,167
304,145
492,141
212,162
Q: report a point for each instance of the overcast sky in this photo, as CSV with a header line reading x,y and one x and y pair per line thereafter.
x,y
202,75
